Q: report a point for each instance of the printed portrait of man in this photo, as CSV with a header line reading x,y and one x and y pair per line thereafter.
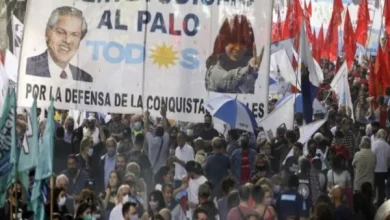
x,y
65,29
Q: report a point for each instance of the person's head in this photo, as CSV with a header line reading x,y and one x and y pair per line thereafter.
x,y
127,133
139,141
15,190
233,199
62,181
193,169
204,192
181,138
312,147
382,134
159,130
65,29
336,194
200,214
167,190
252,217
69,124
280,132
86,145
365,143
164,175
129,211
60,133
244,192
173,133
268,148
111,146
244,141
117,117
318,137
199,144
293,182
304,165
228,184
317,163
323,212
375,126
59,194
232,135
91,122
156,201
338,163
277,182
165,214
114,179
297,149
291,136
84,210
258,194
72,164
345,124
122,195
338,136
208,120
120,163
133,168
217,144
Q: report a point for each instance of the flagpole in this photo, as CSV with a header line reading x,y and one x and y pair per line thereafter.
x,y
51,195
16,161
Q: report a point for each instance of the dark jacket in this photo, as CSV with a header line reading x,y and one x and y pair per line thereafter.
x,y
61,152
39,66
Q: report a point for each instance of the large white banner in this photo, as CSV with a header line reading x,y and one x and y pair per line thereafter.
x,y
120,56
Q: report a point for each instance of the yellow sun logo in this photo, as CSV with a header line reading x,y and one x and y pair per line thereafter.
x,y
164,56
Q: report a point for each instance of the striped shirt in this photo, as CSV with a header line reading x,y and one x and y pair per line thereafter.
x,y
364,164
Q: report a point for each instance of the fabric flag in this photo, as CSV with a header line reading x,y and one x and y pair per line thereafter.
x,y
331,40
30,147
45,164
309,9
386,14
8,150
307,16
4,84
282,116
318,44
381,72
340,86
309,78
277,32
362,23
338,9
349,41
294,19
17,29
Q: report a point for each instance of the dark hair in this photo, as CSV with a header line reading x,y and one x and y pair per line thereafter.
x,y
118,176
158,196
304,165
56,192
172,129
233,134
82,208
317,163
207,115
244,192
375,124
158,217
323,212
60,132
126,207
258,194
165,186
298,145
139,139
337,165
159,176
293,182
310,142
339,134
323,199
233,200
228,183
291,136
323,143
199,211
72,156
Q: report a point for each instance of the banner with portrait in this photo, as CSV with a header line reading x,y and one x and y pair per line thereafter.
x,y
125,56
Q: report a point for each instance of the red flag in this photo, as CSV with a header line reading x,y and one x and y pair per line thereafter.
x,y
309,9
294,19
331,40
386,14
372,85
277,31
318,45
338,8
380,71
362,23
349,48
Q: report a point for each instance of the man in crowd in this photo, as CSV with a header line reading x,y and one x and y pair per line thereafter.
x,y
69,128
122,198
381,150
129,211
243,209
341,211
107,163
243,160
117,127
207,133
61,148
183,154
232,141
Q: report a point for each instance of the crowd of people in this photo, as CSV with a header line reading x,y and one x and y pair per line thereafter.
x,y
132,167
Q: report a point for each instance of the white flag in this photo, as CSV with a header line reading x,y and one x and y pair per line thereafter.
x,y
17,30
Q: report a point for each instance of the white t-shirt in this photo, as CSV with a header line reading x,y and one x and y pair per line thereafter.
x,y
185,154
94,135
192,190
116,213
338,179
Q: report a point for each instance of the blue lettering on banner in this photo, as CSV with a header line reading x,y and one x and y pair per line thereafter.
x,y
114,52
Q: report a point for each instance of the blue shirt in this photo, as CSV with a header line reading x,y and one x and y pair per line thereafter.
x,y
75,187
217,167
291,204
109,165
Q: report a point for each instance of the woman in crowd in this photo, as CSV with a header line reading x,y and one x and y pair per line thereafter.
x,y
59,195
263,199
233,200
141,185
163,176
85,155
262,168
156,203
338,175
84,212
109,195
